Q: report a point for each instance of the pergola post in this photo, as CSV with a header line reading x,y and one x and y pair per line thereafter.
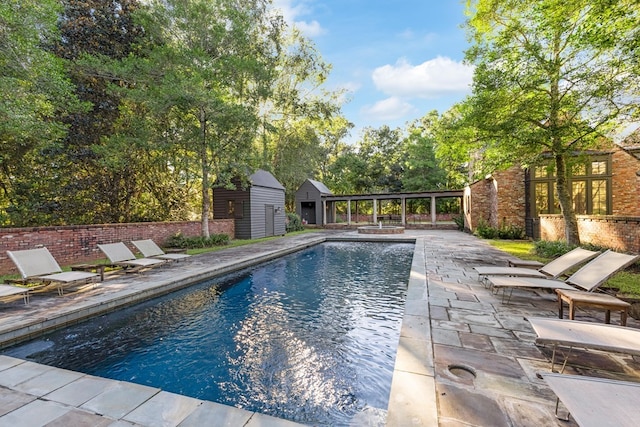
x,y
403,208
375,210
324,212
433,210
349,212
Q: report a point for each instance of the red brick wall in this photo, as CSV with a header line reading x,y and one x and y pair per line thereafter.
x,y
615,232
626,184
511,197
78,243
498,200
480,203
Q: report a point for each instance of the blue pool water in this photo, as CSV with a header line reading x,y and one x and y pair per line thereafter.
x,y
310,337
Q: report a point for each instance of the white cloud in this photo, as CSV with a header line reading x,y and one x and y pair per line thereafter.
x,y
431,79
310,29
388,109
291,10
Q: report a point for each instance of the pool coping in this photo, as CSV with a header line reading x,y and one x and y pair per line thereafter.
x,y
412,397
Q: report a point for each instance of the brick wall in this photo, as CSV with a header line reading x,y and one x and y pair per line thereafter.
x,y
498,200
615,232
479,203
625,183
78,243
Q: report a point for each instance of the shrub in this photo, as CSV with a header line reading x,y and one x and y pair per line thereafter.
x,y
294,223
549,249
459,220
485,231
184,242
507,232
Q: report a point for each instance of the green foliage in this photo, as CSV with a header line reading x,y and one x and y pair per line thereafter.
x,y
459,220
192,242
552,249
549,77
509,232
294,223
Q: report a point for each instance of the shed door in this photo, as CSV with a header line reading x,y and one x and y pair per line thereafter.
x,y
309,212
269,220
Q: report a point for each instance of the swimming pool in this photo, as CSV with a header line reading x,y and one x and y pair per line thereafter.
x,y
310,337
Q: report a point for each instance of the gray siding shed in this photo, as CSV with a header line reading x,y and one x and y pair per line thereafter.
x,y
309,201
258,210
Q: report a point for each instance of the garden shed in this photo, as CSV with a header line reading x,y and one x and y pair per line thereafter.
x,y
309,201
257,208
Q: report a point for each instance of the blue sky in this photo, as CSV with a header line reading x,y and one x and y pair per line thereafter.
x,y
398,59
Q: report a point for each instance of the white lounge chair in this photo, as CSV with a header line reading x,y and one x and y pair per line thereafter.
x,y
39,265
149,249
588,278
8,291
596,402
552,270
588,335
120,255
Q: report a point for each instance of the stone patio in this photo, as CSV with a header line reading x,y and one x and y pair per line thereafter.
x,y
464,357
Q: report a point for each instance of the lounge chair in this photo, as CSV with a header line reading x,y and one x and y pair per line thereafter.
x,y
38,265
596,402
587,279
119,255
149,249
552,270
7,291
577,334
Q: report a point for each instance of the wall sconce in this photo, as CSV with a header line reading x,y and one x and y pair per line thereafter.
x,y
278,209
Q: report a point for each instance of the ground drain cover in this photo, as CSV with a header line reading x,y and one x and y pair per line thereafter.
x,y
462,371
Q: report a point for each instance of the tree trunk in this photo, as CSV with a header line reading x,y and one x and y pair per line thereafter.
x,y
206,200
563,187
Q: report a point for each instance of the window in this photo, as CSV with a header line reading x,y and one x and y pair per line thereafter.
x,y
590,187
599,196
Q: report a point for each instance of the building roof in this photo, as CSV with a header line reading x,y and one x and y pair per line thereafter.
x,y
262,178
320,187
631,143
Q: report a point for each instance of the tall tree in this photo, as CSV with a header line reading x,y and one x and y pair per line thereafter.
x,y
300,118
35,93
211,64
422,171
96,188
552,76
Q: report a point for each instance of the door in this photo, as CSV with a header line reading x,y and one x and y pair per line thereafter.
x,y
269,220
308,212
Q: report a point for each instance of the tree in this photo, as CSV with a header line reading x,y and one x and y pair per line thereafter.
x,y
300,119
98,184
210,66
552,76
422,171
35,91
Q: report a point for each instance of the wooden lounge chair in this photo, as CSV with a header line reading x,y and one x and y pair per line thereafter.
x,y
587,279
149,249
596,402
38,265
551,270
588,335
119,255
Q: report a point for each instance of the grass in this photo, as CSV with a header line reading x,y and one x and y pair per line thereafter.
x,y
627,281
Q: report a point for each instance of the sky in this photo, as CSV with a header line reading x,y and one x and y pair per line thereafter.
x,y
398,59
